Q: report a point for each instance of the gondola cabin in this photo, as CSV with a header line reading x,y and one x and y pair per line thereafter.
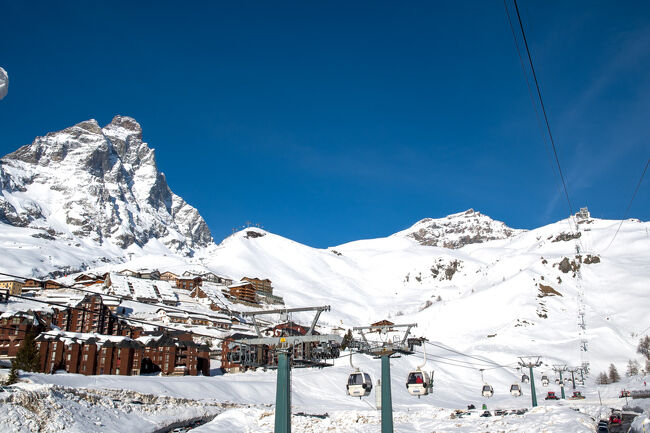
x,y
525,378
359,384
418,383
515,390
545,380
487,391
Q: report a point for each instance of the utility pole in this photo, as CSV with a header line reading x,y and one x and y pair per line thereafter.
x,y
284,347
574,370
531,362
560,368
385,350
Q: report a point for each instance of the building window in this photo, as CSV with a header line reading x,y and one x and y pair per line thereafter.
x,y
86,357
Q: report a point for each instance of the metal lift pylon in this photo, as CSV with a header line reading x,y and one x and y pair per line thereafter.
x,y
284,346
385,350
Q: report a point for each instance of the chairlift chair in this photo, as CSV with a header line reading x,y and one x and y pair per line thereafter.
x,y
487,391
525,378
515,390
359,383
418,381
545,380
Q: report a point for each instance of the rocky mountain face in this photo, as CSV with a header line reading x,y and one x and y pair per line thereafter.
x,y
457,230
99,184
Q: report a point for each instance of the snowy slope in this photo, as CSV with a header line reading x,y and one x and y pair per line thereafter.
x,y
500,298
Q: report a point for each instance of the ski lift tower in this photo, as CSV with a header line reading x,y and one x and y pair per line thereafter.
x,y
385,347
284,347
573,371
560,368
531,362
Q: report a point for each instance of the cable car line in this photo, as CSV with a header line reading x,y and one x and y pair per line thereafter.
x,y
530,90
630,204
541,101
473,365
455,363
486,360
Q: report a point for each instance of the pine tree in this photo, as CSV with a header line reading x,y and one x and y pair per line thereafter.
x,y
602,379
613,374
644,347
13,375
27,358
347,339
632,368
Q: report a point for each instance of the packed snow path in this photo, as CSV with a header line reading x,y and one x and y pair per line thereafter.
x,y
244,403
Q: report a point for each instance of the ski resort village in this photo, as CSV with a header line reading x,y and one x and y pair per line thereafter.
x,y
311,217
125,311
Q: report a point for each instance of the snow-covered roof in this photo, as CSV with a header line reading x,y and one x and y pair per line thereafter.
x,y
74,337
12,280
29,314
119,285
140,288
240,284
166,290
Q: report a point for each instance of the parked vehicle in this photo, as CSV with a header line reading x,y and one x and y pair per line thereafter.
x,y
577,395
551,396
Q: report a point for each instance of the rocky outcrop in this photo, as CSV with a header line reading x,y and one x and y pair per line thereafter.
x,y
101,184
457,230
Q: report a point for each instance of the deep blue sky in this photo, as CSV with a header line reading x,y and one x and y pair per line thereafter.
x,y
330,121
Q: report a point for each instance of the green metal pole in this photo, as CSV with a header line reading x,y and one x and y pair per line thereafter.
x,y
283,395
533,394
386,400
562,385
573,379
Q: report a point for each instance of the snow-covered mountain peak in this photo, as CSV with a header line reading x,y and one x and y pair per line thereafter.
x,y
457,230
97,184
